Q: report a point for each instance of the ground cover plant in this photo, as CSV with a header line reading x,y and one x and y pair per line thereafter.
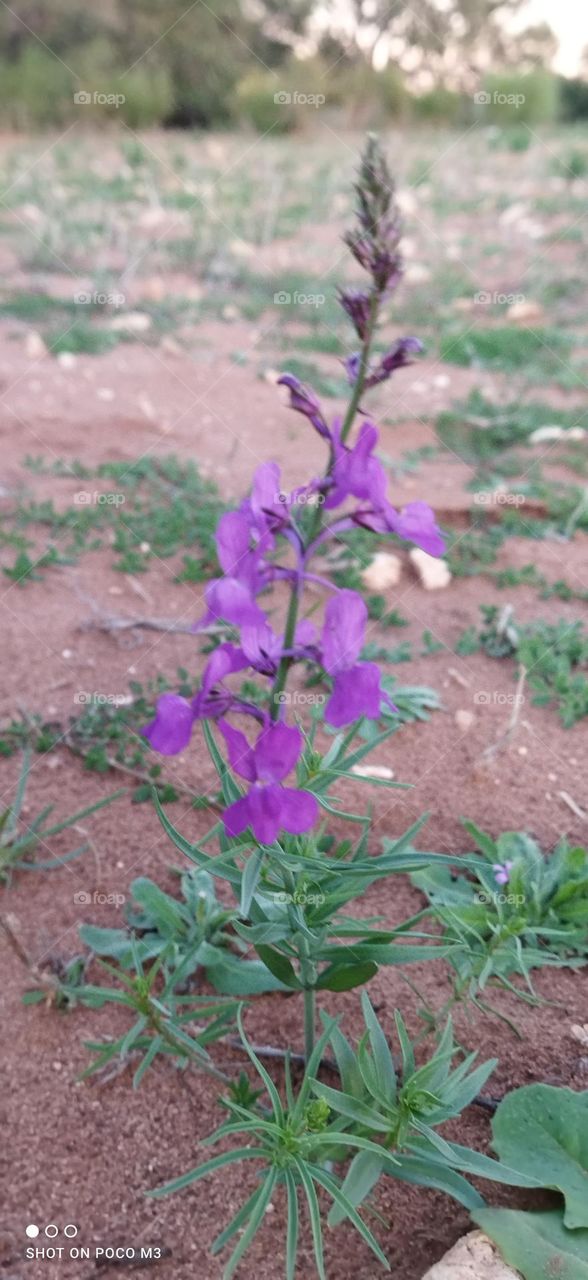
x,y
193,988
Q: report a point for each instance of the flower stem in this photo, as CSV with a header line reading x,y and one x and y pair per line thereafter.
x,y
309,1021
363,367
289,633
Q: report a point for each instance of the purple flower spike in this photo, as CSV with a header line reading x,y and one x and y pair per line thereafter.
x,y
304,400
502,871
268,807
356,685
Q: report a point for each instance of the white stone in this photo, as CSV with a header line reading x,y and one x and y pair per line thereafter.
x,y
132,322
433,573
464,720
474,1257
382,572
34,346
372,771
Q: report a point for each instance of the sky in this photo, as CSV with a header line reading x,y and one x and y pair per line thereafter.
x,y
569,20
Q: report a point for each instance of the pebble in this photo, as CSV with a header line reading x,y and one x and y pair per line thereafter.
x,y
383,571
67,653
523,751
67,360
132,322
464,720
372,771
433,573
34,346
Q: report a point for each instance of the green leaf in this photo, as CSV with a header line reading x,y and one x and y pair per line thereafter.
x,y
345,977
537,1244
361,1177
209,1166
279,965
544,1129
249,880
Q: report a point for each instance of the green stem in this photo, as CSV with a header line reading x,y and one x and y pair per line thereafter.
x,y
363,368
309,1021
289,633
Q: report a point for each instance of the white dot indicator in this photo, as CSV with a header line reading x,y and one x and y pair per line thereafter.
x,y
51,1230
32,1230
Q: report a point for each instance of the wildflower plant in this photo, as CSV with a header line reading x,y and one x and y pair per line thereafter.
x,y
280,779
514,912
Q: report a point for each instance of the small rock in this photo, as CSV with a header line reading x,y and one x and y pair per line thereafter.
x,y
464,720
67,360
67,653
433,573
170,346
544,435
474,1257
580,1033
523,751
526,313
382,572
132,322
372,771
416,273
34,346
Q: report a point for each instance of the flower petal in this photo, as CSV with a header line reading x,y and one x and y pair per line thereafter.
x,y
276,751
231,601
241,757
355,693
343,632
298,810
232,540
171,729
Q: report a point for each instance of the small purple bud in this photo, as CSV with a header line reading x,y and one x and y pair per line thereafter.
x,y
502,871
357,304
304,400
396,358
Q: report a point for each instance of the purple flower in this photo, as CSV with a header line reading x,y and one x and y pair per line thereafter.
x,y
356,472
264,649
267,510
171,729
416,523
502,871
398,357
268,807
357,305
304,400
356,685
232,598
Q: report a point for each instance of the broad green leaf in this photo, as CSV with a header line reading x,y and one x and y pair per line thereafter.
x,y
537,1244
544,1129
